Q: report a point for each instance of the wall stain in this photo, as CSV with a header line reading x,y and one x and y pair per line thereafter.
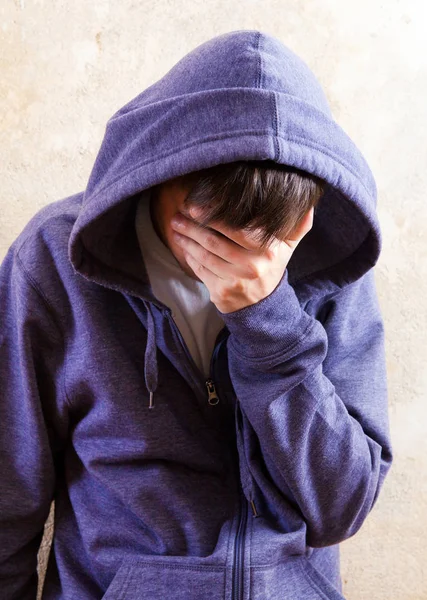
x,y
98,41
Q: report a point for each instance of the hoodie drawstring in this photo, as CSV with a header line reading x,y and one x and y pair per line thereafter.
x,y
150,360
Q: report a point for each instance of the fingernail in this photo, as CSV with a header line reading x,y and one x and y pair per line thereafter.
x,y
195,212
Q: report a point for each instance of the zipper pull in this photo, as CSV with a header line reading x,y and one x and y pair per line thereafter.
x,y
212,395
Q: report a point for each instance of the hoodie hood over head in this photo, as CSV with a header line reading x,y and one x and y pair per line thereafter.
x,y
242,95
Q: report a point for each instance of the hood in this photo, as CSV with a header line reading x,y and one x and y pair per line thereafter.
x,y
242,95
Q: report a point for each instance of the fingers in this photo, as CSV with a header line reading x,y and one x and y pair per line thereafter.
x,y
240,237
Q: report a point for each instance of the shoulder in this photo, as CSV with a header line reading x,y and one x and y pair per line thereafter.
x,y
49,225
356,298
42,247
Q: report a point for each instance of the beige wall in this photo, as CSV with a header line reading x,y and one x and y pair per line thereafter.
x,y
66,67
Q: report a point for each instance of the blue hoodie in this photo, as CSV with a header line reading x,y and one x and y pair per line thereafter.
x,y
247,498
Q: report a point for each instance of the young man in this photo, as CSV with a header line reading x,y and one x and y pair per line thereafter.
x,y
208,411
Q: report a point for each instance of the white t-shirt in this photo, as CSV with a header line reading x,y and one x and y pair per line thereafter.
x,y
192,310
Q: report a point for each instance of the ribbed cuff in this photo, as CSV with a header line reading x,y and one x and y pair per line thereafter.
x,y
270,326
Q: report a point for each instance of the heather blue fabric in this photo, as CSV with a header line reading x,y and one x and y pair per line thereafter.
x,y
248,498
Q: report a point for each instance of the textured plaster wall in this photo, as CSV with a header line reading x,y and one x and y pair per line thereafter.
x,y
66,67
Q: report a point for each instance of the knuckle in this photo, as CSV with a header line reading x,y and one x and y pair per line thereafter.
x,y
222,294
237,285
253,272
204,256
211,240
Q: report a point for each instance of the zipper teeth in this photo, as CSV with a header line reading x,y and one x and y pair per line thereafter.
x,y
215,352
187,352
175,328
238,553
239,546
237,586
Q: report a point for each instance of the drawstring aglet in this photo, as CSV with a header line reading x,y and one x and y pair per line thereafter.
x,y
253,508
151,401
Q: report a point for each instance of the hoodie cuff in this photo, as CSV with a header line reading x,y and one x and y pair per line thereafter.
x,y
270,326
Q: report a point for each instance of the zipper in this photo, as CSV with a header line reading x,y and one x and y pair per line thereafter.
x,y
212,396
213,399
239,546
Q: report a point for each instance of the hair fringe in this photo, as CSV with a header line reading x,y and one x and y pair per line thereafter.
x,y
264,198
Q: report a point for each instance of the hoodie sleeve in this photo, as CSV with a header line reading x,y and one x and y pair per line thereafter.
x,y
312,397
30,375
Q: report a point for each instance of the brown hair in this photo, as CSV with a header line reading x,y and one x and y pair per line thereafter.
x,y
254,195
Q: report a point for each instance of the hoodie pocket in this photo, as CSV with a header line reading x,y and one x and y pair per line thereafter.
x,y
161,578
320,584
292,578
